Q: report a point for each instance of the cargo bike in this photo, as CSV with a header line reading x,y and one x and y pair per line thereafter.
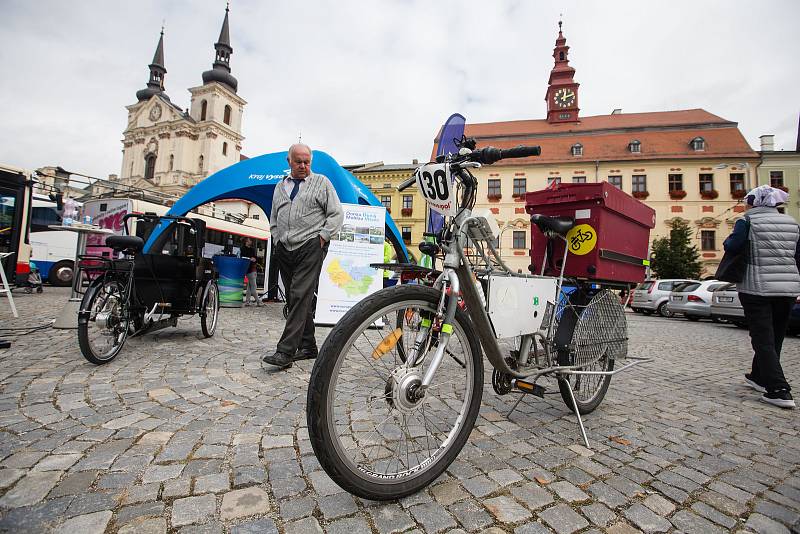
x,y
397,386
143,292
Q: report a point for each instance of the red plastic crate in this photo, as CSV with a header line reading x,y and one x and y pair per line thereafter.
x,y
618,250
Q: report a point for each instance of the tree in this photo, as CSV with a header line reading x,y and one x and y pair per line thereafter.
x,y
675,256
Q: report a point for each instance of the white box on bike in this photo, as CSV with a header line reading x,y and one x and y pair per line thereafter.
x,y
517,304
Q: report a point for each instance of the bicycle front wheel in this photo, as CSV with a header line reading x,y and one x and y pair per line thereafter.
x,y
369,432
103,322
590,335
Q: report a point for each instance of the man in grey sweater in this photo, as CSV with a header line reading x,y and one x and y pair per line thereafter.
x,y
305,213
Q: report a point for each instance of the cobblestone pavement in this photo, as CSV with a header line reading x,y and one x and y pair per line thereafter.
x,y
191,435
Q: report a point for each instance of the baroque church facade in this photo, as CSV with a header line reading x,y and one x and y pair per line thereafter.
x,y
169,149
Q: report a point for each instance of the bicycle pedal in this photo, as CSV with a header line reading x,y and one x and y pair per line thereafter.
x,y
527,387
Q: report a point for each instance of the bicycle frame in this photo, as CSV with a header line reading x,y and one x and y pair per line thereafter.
x,y
458,278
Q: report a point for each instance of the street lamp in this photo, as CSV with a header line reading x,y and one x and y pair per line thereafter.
x,y
746,166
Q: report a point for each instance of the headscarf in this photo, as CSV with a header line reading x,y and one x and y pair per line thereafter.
x,y
765,195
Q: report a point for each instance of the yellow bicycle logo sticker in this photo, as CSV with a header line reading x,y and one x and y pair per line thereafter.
x,y
581,239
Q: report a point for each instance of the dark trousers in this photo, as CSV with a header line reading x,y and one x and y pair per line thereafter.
x,y
767,318
300,269
272,283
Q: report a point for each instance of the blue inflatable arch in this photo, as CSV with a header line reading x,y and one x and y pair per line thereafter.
x,y
255,179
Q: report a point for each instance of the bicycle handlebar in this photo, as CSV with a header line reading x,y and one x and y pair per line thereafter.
x,y
408,183
488,155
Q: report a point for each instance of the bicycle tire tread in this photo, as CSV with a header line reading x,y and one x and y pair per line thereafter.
x,y
319,382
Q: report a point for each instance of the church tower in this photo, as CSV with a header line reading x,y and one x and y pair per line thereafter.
x,y
168,149
562,91
217,108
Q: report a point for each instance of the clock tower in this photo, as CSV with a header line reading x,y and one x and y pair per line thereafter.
x,y
562,90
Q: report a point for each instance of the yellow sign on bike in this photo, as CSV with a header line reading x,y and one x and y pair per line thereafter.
x,y
581,239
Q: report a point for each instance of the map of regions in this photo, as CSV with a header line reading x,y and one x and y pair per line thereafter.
x,y
353,279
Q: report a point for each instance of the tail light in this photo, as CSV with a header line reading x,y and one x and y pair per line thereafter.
x,y
694,298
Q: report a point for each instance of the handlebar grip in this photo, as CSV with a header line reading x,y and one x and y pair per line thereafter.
x,y
521,152
408,183
488,155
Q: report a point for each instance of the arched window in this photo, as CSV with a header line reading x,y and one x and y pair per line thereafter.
x,y
698,143
200,164
635,146
203,110
149,166
561,56
227,118
171,161
224,149
577,149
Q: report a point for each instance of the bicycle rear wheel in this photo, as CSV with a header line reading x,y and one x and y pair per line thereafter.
x,y
210,310
103,322
369,434
591,334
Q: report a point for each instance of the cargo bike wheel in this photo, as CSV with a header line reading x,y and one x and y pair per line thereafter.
x,y
591,334
103,322
369,432
209,311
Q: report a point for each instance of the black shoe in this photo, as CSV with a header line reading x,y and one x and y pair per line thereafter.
x,y
306,354
781,398
748,379
279,360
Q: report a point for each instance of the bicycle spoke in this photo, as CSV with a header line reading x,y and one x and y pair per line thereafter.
x,y
396,439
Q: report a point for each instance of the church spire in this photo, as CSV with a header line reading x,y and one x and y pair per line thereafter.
x,y
221,69
155,85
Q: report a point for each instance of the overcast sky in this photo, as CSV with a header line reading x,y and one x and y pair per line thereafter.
x,y
374,79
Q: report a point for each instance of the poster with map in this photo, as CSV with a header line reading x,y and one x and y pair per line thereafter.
x,y
346,276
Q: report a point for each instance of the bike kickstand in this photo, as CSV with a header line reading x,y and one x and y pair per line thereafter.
x,y
515,405
577,412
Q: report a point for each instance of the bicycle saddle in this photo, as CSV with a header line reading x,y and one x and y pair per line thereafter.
x,y
558,225
125,242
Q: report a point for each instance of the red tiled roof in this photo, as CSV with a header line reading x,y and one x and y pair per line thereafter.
x,y
663,135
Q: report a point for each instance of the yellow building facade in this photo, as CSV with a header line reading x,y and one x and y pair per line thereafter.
x,y
712,219
407,208
781,168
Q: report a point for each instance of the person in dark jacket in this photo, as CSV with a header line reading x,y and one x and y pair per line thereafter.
x,y
770,286
248,251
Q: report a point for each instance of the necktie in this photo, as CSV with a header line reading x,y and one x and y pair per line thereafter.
x,y
295,189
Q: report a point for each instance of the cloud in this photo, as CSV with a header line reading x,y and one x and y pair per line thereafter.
x,y
369,81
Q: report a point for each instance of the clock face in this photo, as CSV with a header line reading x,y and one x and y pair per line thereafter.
x,y
564,97
155,113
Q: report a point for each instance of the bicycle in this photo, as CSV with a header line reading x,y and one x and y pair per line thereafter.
x,y
144,292
397,385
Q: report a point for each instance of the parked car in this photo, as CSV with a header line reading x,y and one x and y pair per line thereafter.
x,y
653,295
693,300
725,306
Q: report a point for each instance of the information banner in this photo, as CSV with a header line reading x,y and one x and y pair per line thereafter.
x,y
346,276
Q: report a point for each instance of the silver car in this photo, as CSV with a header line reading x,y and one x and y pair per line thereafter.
x,y
693,300
653,295
725,306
